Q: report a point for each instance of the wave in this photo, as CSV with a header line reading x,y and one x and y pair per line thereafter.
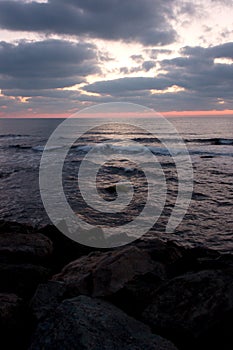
x,y
155,150
134,149
14,136
44,148
212,141
20,146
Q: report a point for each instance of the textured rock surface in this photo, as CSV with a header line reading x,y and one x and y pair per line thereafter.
x,y
25,246
46,298
102,274
190,306
83,323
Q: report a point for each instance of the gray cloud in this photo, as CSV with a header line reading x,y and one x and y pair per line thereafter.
x,y
220,51
120,86
45,64
145,66
148,65
145,21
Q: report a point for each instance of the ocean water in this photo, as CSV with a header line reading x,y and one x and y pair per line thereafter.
x,y
209,219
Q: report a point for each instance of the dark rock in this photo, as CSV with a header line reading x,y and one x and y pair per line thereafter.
x,y
91,324
65,249
22,279
14,322
27,247
102,274
10,310
189,308
46,298
161,251
11,226
138,292
194,260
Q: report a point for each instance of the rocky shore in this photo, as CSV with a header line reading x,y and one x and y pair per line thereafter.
x,y
152,294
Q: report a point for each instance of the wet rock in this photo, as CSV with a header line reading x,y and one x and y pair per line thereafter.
x,y
46,298
103,274
192,309
27,247
85,323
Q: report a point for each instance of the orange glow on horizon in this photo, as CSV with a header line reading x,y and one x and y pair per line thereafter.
x,y
198,113
146,114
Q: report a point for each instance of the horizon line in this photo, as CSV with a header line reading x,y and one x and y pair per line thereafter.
x,y
166,114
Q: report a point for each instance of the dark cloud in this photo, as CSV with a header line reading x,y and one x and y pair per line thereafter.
x,y
153,53
220,51
137,58
145,21
120,86
148,65
45,64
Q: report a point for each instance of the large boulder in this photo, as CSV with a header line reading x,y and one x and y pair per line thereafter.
x,y
127,277
160,250
194,309
91,324
102,274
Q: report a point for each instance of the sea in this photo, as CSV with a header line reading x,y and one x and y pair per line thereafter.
x,y
209,218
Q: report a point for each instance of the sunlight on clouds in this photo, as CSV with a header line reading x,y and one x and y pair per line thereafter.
x,y
221,101
23,99
171,89
223,61
86,93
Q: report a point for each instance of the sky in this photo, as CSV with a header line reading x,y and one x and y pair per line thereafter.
x,y
60,56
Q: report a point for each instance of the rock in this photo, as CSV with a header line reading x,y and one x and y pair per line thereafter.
x,y
14,322
11,226
102,274
10,310
65,250
22,279
27,247
46,298
91,324
190,308
194,260
161,251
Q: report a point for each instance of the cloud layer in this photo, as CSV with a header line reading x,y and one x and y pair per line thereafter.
x,y
145,21
84,52
46,64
